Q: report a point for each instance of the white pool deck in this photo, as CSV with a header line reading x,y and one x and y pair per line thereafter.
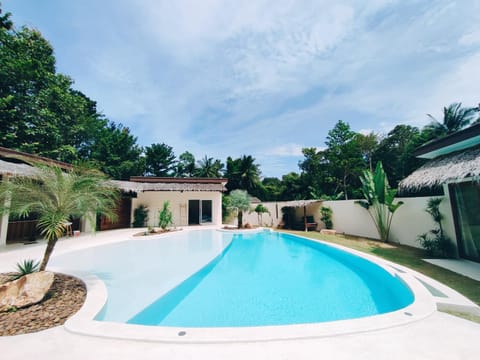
x,y
435,336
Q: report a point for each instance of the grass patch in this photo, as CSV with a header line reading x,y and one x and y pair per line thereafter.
x,y
404,255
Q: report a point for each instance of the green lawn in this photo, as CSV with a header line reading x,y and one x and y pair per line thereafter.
x,y
407,256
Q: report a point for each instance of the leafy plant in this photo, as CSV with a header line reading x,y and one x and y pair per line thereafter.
x,y
260,210
379,200
25,267
435,242
56,196
240,202
140,216
165,216
326,216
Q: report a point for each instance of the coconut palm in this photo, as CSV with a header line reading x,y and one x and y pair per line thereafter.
x,y
55,197
455,118
210,168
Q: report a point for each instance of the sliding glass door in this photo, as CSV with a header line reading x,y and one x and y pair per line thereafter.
x,y
466,208
199,212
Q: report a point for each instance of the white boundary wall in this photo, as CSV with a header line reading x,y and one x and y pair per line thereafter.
x,y
409,221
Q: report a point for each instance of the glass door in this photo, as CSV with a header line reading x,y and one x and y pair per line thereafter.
x,y
466,209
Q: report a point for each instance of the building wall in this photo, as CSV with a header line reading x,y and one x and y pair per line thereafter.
x,y
178,205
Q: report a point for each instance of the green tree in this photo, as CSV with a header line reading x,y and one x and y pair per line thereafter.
x,y
396,152
116,152
56,197
209,168
159,160
243,173
344,158
379,200
367,144
455,118
260,210
186,165
239,201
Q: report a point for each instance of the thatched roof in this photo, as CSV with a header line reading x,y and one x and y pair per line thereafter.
x,y
16,169
444,169
133,186
300,203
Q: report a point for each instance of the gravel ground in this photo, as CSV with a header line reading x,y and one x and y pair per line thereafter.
x,y
65,298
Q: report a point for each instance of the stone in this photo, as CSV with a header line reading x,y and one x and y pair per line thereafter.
x,y
28,290
328,231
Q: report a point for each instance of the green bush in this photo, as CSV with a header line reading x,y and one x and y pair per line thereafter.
x,y
435,242
165,216
140,216
326,216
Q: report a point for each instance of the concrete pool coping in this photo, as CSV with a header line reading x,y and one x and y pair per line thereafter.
x,y
425,304
438,336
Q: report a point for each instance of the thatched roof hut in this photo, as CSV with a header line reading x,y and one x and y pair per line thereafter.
x,y
444,169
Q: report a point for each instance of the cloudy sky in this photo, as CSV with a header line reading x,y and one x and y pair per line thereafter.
x,y
262,78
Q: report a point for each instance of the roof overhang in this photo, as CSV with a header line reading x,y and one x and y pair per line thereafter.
x,y
460,140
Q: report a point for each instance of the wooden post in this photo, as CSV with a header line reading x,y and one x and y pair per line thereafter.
x,y
305,217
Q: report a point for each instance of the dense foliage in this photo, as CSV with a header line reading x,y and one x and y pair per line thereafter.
x,y
42,113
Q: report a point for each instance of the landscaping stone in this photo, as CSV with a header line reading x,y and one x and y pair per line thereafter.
x,y
27,290
66,296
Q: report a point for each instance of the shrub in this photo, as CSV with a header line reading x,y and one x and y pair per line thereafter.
x,y
435,242
165,216
140,216
326,216
28,266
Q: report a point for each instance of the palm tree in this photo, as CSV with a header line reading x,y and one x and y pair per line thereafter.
x,y
455,118
56,197
210,168
240,202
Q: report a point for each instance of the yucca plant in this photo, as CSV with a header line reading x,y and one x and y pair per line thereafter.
x,y
55,197
25,267
379,200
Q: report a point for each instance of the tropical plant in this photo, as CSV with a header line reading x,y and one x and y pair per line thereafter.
x,y
260,210
435,241
159,160
326,216
209,168
379,200
455,118
56,197
25,267
140,216
165,216
239,202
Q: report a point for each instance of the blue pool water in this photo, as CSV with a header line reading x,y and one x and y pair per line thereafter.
x,y
255,279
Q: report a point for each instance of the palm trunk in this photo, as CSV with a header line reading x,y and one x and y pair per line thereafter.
x,y
240,219
48,252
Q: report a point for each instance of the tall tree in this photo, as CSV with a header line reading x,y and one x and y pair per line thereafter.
x,y
455,118
185,165
396,152
209,168
159,160
116,152
243,173
56,197
344,158
367,144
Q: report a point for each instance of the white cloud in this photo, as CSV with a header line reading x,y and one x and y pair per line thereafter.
x,y
286,150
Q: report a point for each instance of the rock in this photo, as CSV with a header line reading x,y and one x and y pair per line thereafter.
x,y
29,289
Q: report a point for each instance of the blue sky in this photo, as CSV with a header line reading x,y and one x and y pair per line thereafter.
x,y
262,78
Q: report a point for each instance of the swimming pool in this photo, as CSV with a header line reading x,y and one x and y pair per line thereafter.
x,y
210,278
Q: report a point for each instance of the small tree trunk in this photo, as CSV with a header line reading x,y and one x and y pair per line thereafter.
x,y
240,219
48,252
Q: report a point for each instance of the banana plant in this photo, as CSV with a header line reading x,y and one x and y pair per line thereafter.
x,y
379,200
